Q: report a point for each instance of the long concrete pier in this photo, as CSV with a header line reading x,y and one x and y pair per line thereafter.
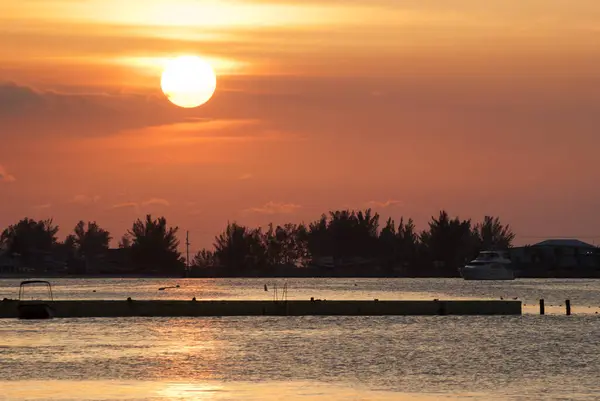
x,y
151,308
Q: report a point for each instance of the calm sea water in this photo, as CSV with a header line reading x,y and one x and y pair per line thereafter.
x,y
529,357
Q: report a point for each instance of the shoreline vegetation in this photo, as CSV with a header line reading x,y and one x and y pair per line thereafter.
x,y
343,243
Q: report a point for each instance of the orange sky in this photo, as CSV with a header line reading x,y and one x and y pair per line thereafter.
x,y
404,106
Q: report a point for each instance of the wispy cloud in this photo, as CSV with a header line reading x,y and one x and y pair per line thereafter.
x,y
137,206
5,176
385,204
156,201
245,177
84,199
125,205
275,208
206,130
43,206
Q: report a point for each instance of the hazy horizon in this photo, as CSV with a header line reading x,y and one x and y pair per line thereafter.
x,y
405,107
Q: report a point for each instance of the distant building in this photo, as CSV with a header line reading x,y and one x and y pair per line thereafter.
x,y
9,264
115,261
563,256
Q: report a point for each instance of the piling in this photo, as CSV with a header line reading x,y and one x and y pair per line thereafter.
x,y
542,308
441,308
568,306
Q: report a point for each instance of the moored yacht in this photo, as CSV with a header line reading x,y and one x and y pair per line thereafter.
x,y
489,265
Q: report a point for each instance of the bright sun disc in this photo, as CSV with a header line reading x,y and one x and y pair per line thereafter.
x,y
188,81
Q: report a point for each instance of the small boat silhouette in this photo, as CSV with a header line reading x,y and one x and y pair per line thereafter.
x,y
165,288
34,309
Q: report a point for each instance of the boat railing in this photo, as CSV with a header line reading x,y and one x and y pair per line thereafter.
x,y
31,282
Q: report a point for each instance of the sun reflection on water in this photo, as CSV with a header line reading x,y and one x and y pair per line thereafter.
x,y
67,390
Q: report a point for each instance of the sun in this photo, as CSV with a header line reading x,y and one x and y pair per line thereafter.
x,y
188,81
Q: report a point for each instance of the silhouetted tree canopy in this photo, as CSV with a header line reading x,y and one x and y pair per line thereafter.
x,y
29,236
154,246
125,241
286,245
491,234
398,247
241,249
449,241
90,241
344,235
350,238
340,239
205,259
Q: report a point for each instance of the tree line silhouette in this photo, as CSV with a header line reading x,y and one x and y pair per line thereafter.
x,y
340,242
149,247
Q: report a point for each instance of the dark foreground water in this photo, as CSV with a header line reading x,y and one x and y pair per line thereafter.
x,y
527,357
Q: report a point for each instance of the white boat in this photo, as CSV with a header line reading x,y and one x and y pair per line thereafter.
x,y
489,265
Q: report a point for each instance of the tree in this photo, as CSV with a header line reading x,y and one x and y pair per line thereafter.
x,y
286,245
70,245
449,241
318,239
154,246
205,259
408,243
367,225
345,235
90,241
240,249
29,237
389,245
398,247
125,241
493,235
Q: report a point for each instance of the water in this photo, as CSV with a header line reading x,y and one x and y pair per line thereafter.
x,y
529,357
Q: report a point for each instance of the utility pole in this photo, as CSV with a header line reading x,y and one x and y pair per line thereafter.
x,y
187,250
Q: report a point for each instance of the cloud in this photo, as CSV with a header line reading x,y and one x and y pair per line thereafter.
x,y
85,199
199,130
245,177
43,207
275,208
125,205
385,204
16,98
156,201
50,113
5,176
137,205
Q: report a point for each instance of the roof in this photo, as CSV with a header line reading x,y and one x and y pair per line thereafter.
x,y
571,243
